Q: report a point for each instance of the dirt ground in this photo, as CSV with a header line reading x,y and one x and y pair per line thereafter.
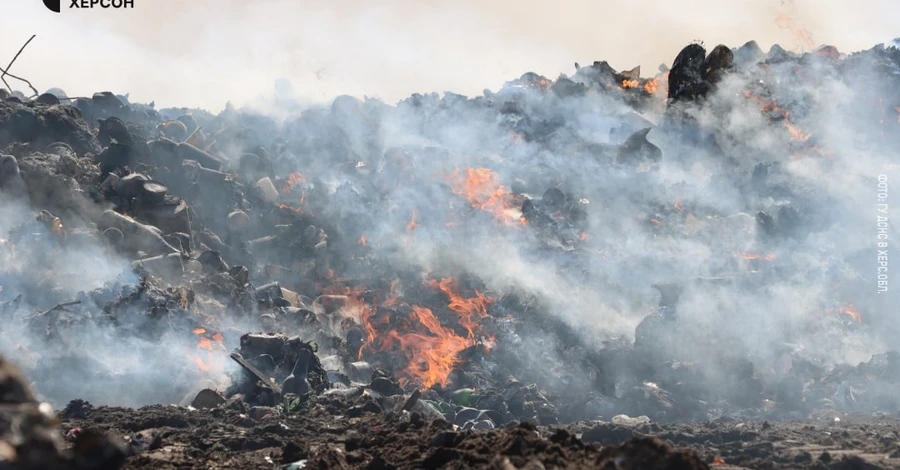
x,y
338,434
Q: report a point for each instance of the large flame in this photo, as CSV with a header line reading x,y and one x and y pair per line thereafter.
x,y
432,354
481,188
430,347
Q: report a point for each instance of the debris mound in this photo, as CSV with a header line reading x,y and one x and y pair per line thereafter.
x,y
602,270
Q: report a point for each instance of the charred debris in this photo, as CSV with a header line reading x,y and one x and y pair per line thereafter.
x,y
268,259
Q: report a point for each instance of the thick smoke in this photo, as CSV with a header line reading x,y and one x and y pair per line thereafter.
x,y
205,52
53,288
820,186
749,294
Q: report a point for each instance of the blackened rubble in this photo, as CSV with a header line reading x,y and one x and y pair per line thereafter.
x,y
604,252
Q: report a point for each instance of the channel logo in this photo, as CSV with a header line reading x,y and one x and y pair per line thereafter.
x,y
52,5
56,5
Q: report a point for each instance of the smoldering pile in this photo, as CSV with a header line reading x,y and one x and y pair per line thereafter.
x,y
485,260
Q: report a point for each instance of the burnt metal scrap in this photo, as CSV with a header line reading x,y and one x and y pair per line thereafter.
x,y
267,268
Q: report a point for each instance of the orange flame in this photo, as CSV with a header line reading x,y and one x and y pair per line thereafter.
x,y
803,36
392,296
362,240
432,348
295,209
630,83
294,179
463,307
481,188
767,105
412,222
797,135
652,86
753,256
849,309
813,150
433,355
544,84
677,205
205,343
202,365
583,237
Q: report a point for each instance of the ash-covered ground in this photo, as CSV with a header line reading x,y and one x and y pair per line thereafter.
x,y
595,270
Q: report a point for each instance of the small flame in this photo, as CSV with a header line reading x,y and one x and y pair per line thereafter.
x,y
652,86
412,222
813,150
392,296
544,84
202,365
294,179
481,188
583,237
803,36
630,83
797,135
767,105
295,209
207,343
677,205
463,307
849,309
753,256
362,240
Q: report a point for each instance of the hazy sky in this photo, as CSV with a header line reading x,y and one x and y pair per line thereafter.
x,y
205,52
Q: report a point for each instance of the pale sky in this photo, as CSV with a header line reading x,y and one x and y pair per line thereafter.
x,y
205,52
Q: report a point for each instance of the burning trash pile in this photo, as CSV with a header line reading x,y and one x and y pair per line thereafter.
x,y
605,247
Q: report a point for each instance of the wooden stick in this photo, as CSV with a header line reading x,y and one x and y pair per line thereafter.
x,y
256,373
6,70
412,400
61,306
